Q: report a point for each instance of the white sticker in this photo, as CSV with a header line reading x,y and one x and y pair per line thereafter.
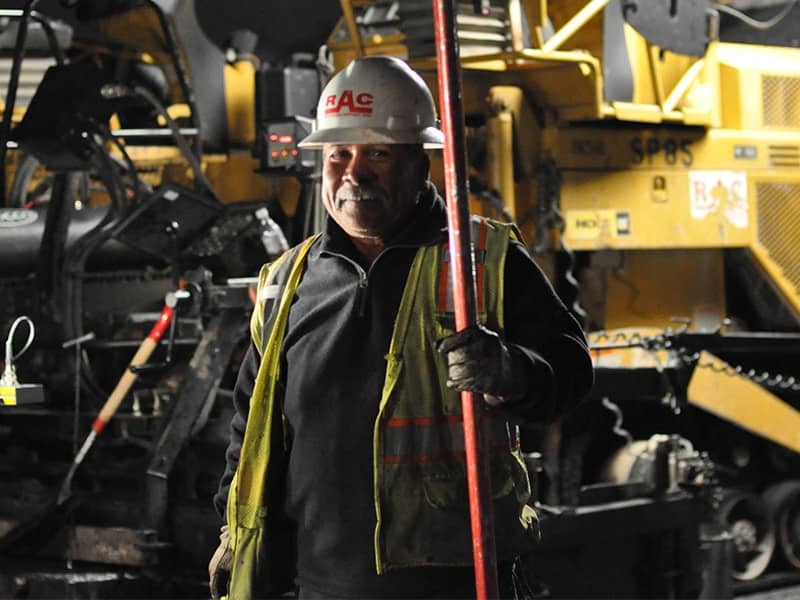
x,y
712,192
596,224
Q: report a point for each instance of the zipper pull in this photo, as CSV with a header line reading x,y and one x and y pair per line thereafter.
x,y
362,296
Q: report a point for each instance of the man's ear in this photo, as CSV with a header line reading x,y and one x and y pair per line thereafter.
x,y
424,167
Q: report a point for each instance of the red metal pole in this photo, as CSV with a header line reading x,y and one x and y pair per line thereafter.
x,y
464,294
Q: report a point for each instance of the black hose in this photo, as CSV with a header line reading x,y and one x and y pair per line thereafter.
x,y
567,285
22,178
103,130
47,27
75,262
180,140
755,23
183,79
49,32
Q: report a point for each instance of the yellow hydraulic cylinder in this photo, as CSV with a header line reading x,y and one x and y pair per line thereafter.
x,y
500,157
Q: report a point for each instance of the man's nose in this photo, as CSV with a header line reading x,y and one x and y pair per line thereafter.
x,y
358,169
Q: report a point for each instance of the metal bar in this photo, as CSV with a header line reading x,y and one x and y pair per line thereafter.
x,y
241,281
680,89
191,408
153,132
352,26
574,24
126,344
464,293
11,95
738,342
655,74
745,342
515,24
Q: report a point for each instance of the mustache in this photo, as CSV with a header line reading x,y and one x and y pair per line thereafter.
x,y
358,192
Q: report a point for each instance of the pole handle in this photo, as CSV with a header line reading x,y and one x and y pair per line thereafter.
x,y
464,291
148,345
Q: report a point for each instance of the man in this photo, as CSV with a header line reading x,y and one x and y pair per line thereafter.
x,y
347,445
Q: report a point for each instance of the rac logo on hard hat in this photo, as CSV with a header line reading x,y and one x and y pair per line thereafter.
x,y
349,103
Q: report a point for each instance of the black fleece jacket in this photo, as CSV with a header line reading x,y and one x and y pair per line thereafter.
x,y
339,330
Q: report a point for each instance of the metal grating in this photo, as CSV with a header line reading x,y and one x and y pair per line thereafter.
x,y
780,101
477,34
31,74
785,155
778,224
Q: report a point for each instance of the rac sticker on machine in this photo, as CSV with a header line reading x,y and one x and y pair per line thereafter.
x,y
719,192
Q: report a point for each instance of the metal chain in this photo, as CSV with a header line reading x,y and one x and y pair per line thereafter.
x,y
622,338
663,341
763,378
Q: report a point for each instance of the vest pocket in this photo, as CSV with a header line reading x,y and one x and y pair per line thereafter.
x,y
425,512
445,486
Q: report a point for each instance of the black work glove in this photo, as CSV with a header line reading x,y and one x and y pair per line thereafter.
x,y
479,361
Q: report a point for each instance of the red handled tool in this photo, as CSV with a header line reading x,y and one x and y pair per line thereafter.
x,y
120,391
462,263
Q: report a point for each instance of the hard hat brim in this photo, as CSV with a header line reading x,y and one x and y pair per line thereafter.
x,y
429,137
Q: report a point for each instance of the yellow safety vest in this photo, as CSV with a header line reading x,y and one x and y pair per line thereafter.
x,y
420,490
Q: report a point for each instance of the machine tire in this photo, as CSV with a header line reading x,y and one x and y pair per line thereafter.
x,y
746,516
22,179
783,503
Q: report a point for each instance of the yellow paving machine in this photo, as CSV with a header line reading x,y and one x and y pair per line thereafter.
x,y
652,166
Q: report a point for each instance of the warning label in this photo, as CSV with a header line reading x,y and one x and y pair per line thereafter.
x,y
594,224
719,192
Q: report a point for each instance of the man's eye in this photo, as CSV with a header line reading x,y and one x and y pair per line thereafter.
x,y
379,154
339,155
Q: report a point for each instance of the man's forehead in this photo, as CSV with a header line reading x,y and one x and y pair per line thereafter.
x,y
363,146
396,149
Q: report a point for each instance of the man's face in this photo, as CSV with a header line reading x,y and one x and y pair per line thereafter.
x,y
370,189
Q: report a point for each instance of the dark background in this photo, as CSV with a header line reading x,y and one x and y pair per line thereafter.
x,y
285,27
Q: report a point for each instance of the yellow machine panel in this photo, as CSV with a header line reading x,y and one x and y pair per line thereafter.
x,y
635,290
716,389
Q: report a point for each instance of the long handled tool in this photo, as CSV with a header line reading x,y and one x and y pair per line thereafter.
x,y
120,391
464,292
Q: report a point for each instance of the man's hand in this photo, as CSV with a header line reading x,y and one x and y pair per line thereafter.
x,y
219,568
479,361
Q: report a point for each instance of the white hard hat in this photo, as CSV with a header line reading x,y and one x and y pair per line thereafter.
x,y
375,100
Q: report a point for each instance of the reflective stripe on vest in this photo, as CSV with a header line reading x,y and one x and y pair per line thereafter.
x,y
445,295
440,439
